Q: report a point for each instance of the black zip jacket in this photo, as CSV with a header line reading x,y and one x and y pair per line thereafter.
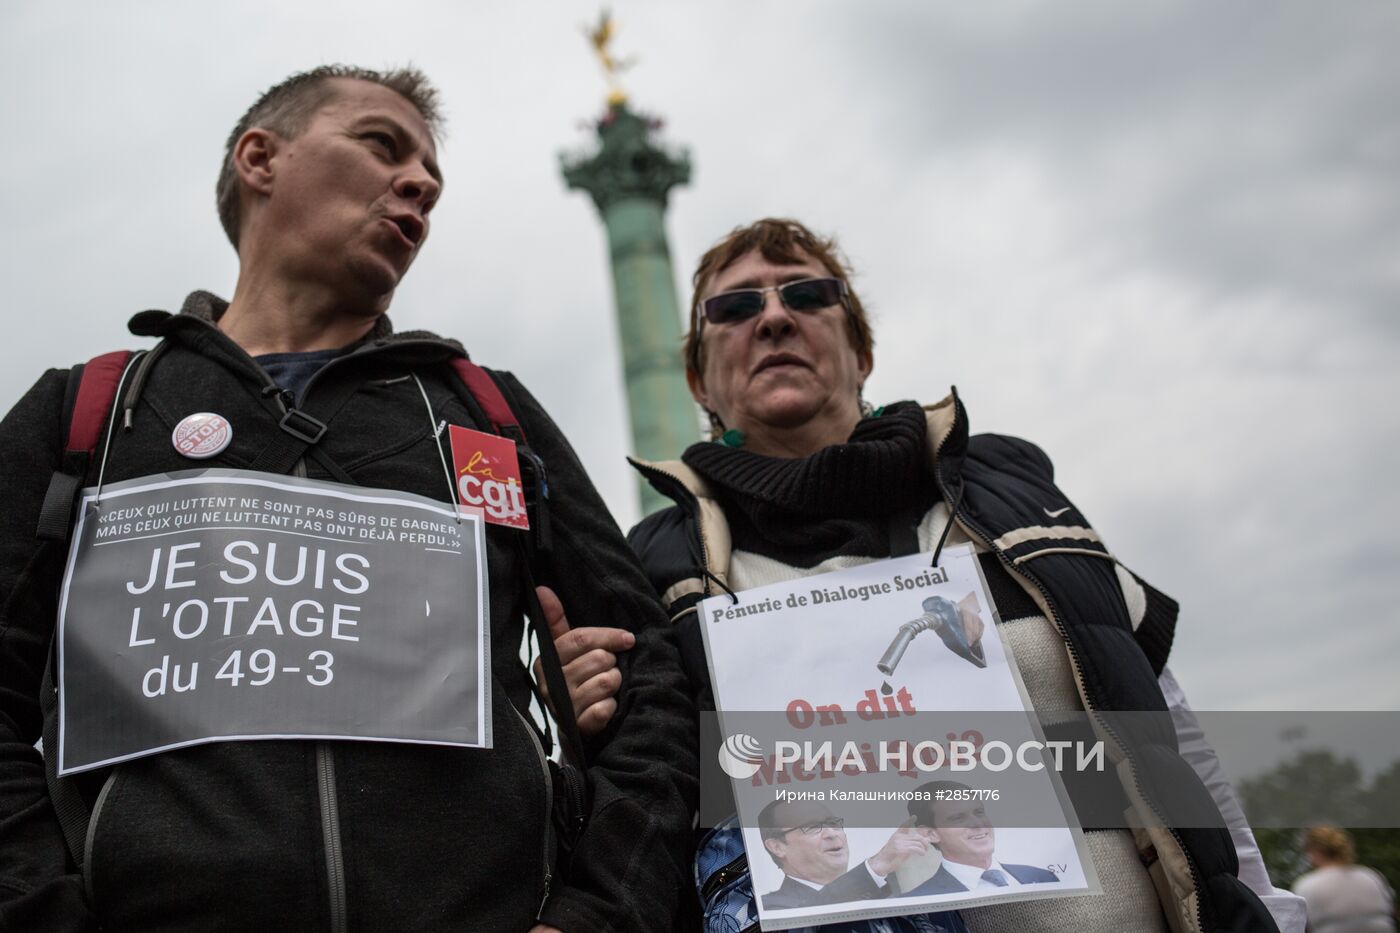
x,y
294,835
1001,492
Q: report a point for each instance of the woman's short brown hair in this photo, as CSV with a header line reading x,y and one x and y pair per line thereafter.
x,y
1331,842
778,240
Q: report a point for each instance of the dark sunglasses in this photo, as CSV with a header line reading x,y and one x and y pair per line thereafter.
x,y
807,296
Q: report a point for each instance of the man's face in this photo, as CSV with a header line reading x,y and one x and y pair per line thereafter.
x,y
350,197
781,368
813,847
962,832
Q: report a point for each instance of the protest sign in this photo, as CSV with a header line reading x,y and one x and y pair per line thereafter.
x,y
882,749
218,605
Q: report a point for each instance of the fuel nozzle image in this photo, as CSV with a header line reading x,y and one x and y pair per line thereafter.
x,y
943,617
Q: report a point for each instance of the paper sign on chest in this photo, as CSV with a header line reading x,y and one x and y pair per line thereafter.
x,y
214,605
881,746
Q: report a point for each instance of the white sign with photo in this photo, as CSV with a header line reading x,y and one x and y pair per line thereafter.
x,y
881,643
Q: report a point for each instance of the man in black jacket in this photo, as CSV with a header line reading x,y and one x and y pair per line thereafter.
x,y
326,194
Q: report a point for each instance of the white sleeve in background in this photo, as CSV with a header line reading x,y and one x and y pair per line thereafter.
x,y
1289,911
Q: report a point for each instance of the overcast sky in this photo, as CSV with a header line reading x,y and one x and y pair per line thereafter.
x,y
1161,239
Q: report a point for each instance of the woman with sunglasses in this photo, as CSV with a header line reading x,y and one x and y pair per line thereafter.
x,y
802,476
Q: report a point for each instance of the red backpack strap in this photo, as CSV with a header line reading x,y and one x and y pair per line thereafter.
x,y
92,390
488,395
89,405
97,390
482,387
491,399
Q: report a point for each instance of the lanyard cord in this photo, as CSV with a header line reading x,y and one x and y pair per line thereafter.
x,y
705,571
111,423
948,526
436,428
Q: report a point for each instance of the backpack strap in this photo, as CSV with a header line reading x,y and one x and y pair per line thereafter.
x,y
88,406
302,429
490,397
68,805
97,390
92,388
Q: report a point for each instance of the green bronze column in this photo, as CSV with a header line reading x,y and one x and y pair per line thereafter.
x,y
629,177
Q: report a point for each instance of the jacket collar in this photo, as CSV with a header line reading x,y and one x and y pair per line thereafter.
x,y
947,436
208,307
947,443
196,325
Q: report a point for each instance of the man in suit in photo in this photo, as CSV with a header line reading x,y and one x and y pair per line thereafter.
x,y
809,844
956,824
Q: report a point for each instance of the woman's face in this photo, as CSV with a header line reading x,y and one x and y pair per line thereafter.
x,y
788,379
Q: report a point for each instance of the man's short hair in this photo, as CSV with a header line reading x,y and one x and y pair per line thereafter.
x,y
778,240
287,109
769,826
923,810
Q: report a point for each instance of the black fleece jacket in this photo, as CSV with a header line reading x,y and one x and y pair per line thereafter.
x,y
239,835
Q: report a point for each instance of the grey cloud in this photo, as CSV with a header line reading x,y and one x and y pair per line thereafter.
x,y
1254,146
1159,239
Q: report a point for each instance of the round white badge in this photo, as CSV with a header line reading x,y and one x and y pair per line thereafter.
x,y
202,435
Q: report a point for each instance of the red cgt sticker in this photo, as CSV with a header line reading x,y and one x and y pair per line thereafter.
x,y
488,476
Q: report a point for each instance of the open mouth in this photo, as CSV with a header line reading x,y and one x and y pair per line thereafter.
x,y
411,227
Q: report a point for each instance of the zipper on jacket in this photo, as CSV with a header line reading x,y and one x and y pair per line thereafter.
x,y
577,798
330,834
329,807
325,759
546,860
1127,748
694,511
1075,668
731,872
92,834
723,875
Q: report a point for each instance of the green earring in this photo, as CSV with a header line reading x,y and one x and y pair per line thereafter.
x,y
732,438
